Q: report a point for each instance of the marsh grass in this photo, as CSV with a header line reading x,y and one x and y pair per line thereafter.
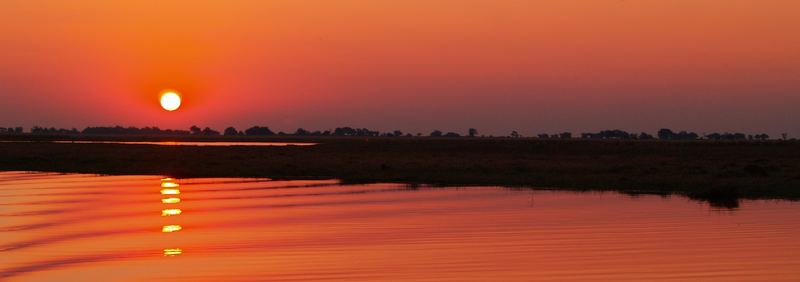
x,y
718,172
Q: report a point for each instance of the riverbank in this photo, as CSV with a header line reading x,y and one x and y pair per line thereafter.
x,y
699,169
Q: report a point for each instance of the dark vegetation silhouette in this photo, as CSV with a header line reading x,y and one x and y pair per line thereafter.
x,y
710,171
667,134
209,132
11,130
231,131
645,136
119,130
51,130
662,134
720,172
259,131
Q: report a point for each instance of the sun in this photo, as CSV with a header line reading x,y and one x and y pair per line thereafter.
x,y
170,100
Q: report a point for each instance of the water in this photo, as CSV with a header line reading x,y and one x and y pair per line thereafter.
x,y
181,143
68,227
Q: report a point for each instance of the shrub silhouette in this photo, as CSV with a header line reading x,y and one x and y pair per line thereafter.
x,y
231,131
259,131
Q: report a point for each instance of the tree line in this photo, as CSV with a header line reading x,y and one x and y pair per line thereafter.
x,y
662,134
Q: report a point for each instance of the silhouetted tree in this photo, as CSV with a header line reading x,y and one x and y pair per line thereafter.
x,y
344,131
762,137
667,134
436,133
727,136
645,136
397,133
515,134
608,134
119,130
195,130
452,134
683,135
259,131
565,135
349,131
542,136
231,131
783,135
209,131
53,130
472,132
302,132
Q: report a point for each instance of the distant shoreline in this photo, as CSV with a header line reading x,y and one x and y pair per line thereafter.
x,y
711,170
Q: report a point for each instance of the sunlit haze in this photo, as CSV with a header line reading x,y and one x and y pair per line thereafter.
x,y
418,65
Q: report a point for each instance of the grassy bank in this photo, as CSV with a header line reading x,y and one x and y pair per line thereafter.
x,y
706,170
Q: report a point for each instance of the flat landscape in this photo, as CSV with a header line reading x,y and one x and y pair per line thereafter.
x,y
715,171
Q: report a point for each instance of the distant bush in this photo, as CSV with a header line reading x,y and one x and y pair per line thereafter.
x,y
11,130
663,134
609,134
52,130
667,134
231,131
259,131
119,130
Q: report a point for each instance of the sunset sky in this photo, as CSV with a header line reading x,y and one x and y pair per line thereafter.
x,y
413,65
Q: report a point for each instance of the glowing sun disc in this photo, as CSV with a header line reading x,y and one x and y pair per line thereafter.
x,y
170,101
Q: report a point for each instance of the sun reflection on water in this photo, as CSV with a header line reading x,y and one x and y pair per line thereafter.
x,y
170,190
172,252
171,200
167,184
171,212
171,228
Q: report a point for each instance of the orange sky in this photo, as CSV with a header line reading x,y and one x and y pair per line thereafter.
x,y
499,65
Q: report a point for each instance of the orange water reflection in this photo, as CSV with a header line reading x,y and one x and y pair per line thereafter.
x,y
172,252
171,200
171,183
171,212
250,229
170,191
171,228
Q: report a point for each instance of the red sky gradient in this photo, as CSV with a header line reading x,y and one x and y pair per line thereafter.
x,y
415,65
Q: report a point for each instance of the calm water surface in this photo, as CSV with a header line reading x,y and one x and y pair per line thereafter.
x,y
69,227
